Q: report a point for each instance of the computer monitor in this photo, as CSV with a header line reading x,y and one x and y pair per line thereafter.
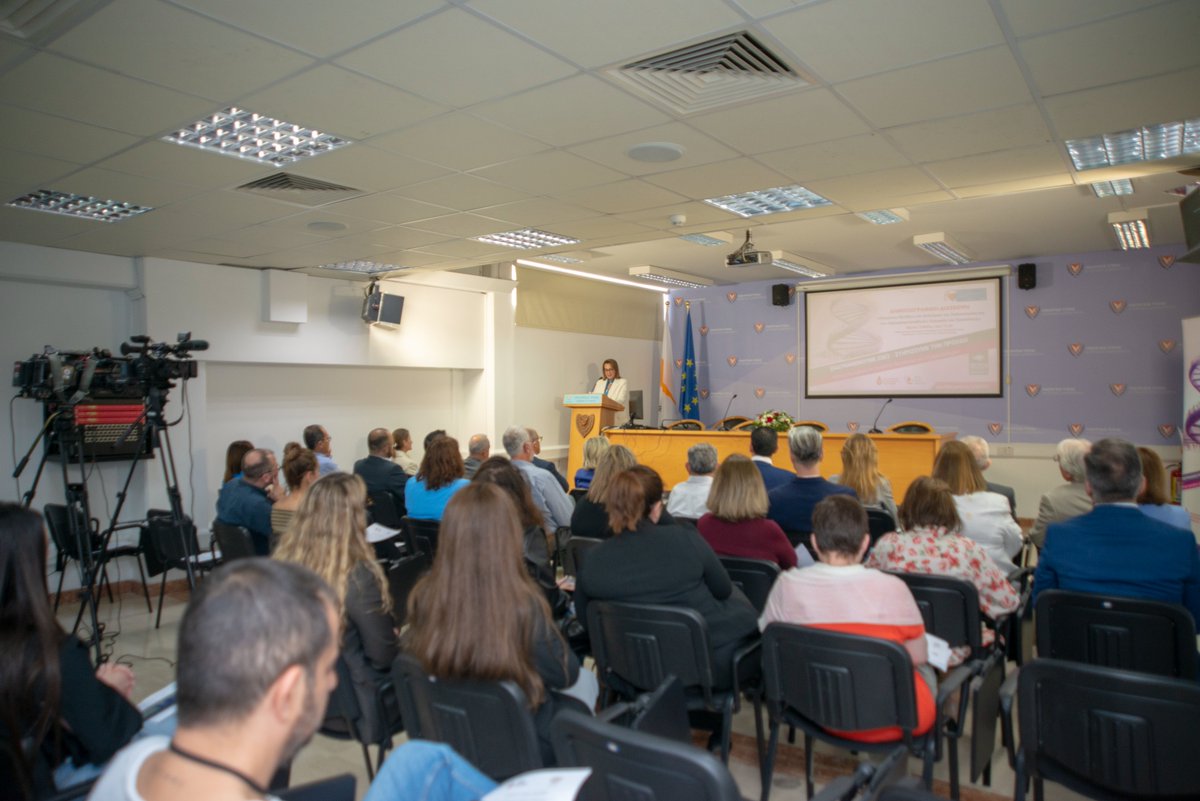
x,y
634,406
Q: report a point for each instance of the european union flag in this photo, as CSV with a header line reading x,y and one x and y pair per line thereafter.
x,y
689,396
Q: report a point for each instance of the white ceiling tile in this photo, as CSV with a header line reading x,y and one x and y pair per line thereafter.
x,y
341,102
1127,105
623,196
762,8
171,162
1004,165
137,236
463,225
25,173
701,217
537,212
868,201
983,132
614,151
110,185
575,110
949,87
854,189
398,236
460,142
225,248
231,209
553,171
269,238
464,192
33,132
315,26
468,248
331,252
178,49
97,97
457,58
714,180
365,167
1156,40
784,121
595,34
855,154
10,49
1022,185
410,258
597,229
876,37
39,228
1028,17
389,208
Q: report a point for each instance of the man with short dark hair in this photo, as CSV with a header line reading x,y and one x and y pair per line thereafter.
x,y
317,440
535,439
257,651
246,501
763,444
690,498
479,448
379,472
1115,549
792,503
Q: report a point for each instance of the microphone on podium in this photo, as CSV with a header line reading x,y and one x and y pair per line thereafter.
x,y
728,406
875,425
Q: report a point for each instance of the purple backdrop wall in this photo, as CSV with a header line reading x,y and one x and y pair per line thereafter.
x,y
1094,350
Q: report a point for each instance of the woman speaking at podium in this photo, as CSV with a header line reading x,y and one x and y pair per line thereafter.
x,y
612,385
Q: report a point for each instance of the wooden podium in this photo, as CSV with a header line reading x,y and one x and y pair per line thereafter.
x,y
591,413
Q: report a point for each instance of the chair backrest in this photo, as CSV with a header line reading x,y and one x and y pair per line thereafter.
x,y
578,493
879,522
488,723
1126,633
910,427
343,702
685,425
59,524
167,544
335,788
628,764
381,506
235,542
755,577
1131,735
644,643
423,534
730,423
839,681
950,608
403,575
817,424
576,553
749,425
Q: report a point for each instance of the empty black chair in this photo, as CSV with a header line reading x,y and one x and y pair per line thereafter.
x,y
731,422
1125,633
1105,733
755,577
170,547
344,718
641,644
685,425
402,575
628,764
423,534
98,552
879,522
819,680
381,507
235,542
488,723
575,552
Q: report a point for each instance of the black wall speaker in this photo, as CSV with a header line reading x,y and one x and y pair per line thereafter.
x,y
780,296
380,308
1026,276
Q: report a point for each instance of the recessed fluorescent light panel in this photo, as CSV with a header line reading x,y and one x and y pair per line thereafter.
x,y
1123,186
608,279
943,247
711,239
1148,143
769,201
364,267
799,264
254,137
1130,227
89,208
670,277
884,216
560,258
527,239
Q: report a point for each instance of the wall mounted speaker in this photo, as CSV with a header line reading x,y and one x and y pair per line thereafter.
x,y
1026,276
780,296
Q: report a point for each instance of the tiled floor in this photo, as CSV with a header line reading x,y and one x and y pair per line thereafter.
x,y
151,653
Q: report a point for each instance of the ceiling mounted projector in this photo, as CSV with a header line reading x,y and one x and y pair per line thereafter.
x,y
747,256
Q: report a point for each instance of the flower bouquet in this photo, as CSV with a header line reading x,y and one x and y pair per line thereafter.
x,y
780,421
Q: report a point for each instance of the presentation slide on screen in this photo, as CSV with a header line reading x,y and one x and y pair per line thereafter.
x,y
917,339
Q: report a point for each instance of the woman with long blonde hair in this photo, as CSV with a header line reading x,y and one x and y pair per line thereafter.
x,y
593,451
478,615
737,524
328,536
590,518
986,516
860,472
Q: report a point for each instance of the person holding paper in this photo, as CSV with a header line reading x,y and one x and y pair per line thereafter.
x,y
613,386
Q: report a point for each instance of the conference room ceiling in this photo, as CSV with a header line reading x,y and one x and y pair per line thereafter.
x,y
474,117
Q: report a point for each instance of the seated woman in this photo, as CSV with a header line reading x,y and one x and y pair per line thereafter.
x,y
648,563
590,518
860,472
840,594
986,516
1154,501
328,536
233,459
593,450
60,718
932,543
440,476
300,470
737,523
477,615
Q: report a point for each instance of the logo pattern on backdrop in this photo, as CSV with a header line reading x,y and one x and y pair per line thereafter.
x,y
1166,262
995,428
1117,389
1076,348
1032,311
1075,268
1166,345
1117,306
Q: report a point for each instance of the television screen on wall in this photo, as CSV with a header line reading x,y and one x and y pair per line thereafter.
x,y
928,340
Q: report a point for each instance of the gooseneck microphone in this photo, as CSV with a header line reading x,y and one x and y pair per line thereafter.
x,y
727,408
875,425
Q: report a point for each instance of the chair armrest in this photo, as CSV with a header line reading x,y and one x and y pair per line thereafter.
x,y
955,680
1008,691
612,714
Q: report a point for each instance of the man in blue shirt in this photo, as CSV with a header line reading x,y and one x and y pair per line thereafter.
x,y
317,440
246,501
792,503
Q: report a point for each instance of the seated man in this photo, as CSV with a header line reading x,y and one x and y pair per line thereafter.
x,y
317,440
1066,500
690,498
536,439
983,460
479,448
792,503
763,444
379,472
550,499
257,648
1115,549
246,501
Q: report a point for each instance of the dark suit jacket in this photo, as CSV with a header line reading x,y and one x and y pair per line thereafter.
x,y
1118,550
773,476
383,475
1007,492
792,503
549,466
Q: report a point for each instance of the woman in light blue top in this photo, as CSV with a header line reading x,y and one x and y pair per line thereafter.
x,y
440,476
1154,501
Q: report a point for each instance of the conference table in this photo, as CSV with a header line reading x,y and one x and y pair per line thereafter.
x,y
902,457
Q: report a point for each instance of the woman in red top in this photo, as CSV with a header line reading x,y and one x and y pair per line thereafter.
x,y
737,523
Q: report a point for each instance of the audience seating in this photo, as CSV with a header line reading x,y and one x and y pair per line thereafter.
x,y
641,644
343,706
817,424
684,425
819,680
730,423
875,781
1103,733
754,577
167,548
234,542
628,764
381,509
1126,633
488,723
423,534
402,575
575,552
879,522
910,427
99,553
576,494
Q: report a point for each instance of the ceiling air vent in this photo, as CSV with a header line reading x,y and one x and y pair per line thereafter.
x,y
707,75
298,189
38,21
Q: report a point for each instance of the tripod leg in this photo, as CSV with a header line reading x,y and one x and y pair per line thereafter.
x,y
62,574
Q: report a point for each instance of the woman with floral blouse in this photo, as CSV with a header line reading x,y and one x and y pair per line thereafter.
x,y
932,543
